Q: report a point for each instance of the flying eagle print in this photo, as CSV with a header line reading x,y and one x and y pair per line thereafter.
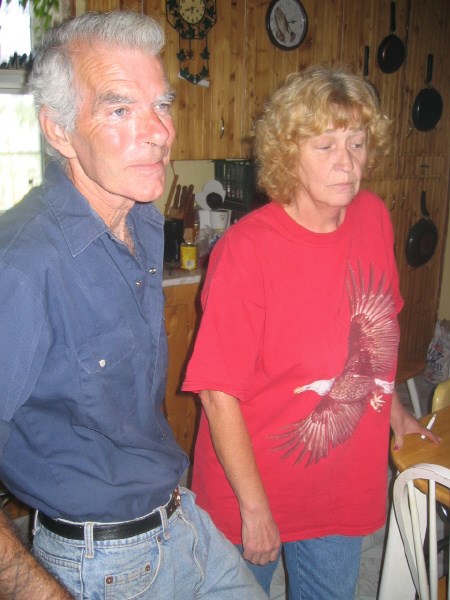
x,y
372,348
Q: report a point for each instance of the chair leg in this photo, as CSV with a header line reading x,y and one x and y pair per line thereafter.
x,y
412,389
396,581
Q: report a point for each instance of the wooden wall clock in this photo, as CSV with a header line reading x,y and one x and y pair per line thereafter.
x,y
286,23
192,19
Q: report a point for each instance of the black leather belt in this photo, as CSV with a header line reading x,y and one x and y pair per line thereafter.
x,y
116,531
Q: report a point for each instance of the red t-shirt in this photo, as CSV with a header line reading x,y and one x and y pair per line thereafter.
x,y
285,308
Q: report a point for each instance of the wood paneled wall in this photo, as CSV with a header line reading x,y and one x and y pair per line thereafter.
x,y
217,122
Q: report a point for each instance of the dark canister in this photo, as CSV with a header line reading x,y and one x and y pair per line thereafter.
x,y
173,238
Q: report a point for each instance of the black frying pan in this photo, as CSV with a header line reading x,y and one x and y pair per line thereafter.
x,y
422,238
392,51
428,105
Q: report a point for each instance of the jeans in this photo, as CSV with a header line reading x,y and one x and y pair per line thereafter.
x,y
186,557
317,569
263,573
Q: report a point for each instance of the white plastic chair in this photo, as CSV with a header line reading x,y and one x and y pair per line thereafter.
x,y
405,506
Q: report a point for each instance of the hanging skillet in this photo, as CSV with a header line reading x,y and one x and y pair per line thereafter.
x,y
392,51
422,238
428,105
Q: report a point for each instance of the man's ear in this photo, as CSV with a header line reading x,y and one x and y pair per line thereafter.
x,y
55,135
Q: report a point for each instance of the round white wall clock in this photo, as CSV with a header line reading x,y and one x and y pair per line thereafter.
x,y
286,23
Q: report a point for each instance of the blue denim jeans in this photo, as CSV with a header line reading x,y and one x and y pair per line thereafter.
x,y
186,557
262,573
317,569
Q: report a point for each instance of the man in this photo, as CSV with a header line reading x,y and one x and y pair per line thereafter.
x,y
83,351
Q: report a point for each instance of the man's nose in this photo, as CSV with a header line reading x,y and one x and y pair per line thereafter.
x,y
153,129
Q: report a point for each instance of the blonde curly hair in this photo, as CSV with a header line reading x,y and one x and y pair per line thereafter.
x,y
304,107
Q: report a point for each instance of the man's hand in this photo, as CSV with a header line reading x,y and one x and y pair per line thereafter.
x,y
21,576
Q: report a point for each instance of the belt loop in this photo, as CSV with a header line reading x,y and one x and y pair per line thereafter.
x,y
35,524
89,539
164,522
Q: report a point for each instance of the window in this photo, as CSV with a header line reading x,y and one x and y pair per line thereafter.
x,y
20,141
20,148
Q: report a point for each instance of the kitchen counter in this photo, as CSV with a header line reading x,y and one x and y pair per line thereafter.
x,y
177,276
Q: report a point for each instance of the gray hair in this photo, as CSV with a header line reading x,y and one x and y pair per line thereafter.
x,y
52,78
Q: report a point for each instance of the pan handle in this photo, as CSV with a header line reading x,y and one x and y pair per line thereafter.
x,y
423,204
393,25
366,61
430,60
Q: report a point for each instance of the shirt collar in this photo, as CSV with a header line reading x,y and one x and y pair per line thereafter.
x,y
79,222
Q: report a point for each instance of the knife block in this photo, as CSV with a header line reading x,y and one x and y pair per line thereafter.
x,y
173,238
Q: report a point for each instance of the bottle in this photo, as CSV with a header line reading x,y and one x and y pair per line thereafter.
x,y
196,224
188,256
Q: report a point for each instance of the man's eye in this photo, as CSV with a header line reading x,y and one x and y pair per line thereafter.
x,y
163,108
119,112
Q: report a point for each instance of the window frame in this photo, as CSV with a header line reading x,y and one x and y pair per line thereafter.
x,y
13,81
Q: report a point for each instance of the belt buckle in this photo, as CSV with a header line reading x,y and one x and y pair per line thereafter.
x,y
176,497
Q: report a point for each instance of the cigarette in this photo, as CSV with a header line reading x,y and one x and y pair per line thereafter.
x,y
430,424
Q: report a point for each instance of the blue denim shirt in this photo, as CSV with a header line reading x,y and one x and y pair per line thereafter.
x,y
83,359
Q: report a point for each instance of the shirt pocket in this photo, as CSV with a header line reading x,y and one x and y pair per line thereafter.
x,y
107,378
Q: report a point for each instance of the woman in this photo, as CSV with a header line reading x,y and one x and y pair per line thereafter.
x,y
296,355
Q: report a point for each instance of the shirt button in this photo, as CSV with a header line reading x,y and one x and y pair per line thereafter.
x,y
102,363
138,283
152,270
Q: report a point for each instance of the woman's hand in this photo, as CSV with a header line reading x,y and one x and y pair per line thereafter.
x,y
260,537
233,446
403,423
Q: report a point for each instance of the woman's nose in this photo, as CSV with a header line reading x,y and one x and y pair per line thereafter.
x,y
344,159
